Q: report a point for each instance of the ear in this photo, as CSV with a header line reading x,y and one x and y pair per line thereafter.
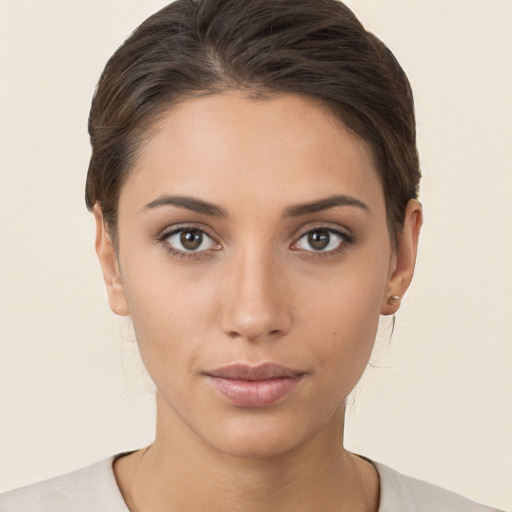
x,y
106,252
404,259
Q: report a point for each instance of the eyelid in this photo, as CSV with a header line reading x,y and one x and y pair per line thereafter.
x,y
346,236
169,231
345,233
325,226
174,228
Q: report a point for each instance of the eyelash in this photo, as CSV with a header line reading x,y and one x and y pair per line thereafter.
x,y
346,240
163,239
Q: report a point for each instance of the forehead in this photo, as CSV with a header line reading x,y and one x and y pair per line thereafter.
x,y
227,147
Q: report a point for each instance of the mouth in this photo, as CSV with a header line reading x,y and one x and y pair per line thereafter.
x,y
255,386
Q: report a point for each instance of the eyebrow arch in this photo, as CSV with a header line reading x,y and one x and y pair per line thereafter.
x,y
324,204
190,203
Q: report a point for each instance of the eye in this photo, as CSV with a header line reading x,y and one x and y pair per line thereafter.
x,y
321,240
189,240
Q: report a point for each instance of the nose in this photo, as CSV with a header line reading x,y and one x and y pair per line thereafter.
x,y
255,305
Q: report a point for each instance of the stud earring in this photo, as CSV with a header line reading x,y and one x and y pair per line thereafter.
x,y
393,300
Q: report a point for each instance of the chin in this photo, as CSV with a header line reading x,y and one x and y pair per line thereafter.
x,y
255,447
259,438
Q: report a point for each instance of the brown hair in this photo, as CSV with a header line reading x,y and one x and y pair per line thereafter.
x,y
316,48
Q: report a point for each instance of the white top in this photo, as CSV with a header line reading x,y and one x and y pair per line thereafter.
x,y
94,489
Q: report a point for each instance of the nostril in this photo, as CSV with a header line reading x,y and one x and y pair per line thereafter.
x,y
254,334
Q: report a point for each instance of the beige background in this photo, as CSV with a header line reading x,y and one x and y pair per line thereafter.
x,y
439,405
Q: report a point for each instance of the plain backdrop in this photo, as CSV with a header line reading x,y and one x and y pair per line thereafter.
x,y
437,403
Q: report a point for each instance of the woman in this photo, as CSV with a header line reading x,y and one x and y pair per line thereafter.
x,y
254,182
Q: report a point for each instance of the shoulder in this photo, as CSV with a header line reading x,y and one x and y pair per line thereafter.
x,y
89,489
400,492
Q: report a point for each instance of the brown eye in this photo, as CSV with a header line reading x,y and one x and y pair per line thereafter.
x,y
190,240
321,240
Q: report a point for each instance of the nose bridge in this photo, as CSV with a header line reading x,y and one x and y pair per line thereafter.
x,y
254,308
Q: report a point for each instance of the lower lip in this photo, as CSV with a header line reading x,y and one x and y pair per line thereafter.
x,y
255,393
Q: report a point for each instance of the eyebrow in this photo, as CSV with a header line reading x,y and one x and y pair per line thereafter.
x,y
324,204
190,203
206,208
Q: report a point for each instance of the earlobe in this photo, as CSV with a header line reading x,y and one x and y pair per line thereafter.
x,y
106,251
404,260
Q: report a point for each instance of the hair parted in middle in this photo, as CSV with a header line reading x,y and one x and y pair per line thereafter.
x,y
316,48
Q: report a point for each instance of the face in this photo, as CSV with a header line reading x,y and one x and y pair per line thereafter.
x,y
254,258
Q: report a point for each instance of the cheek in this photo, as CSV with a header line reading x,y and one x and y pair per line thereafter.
x,y
346,328
342,321
171,315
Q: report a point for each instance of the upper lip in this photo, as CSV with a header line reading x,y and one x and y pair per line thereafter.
x,y
263,371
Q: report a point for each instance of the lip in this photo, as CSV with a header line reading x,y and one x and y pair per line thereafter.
x,y
260,385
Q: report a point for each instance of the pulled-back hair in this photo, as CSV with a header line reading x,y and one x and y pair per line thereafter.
x,y
316,48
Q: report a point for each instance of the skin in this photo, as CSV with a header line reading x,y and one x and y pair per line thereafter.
x,y
258,292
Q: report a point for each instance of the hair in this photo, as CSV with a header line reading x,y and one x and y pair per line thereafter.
x,y
316,48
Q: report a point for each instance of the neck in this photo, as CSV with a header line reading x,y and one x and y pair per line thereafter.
x,y
179,471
